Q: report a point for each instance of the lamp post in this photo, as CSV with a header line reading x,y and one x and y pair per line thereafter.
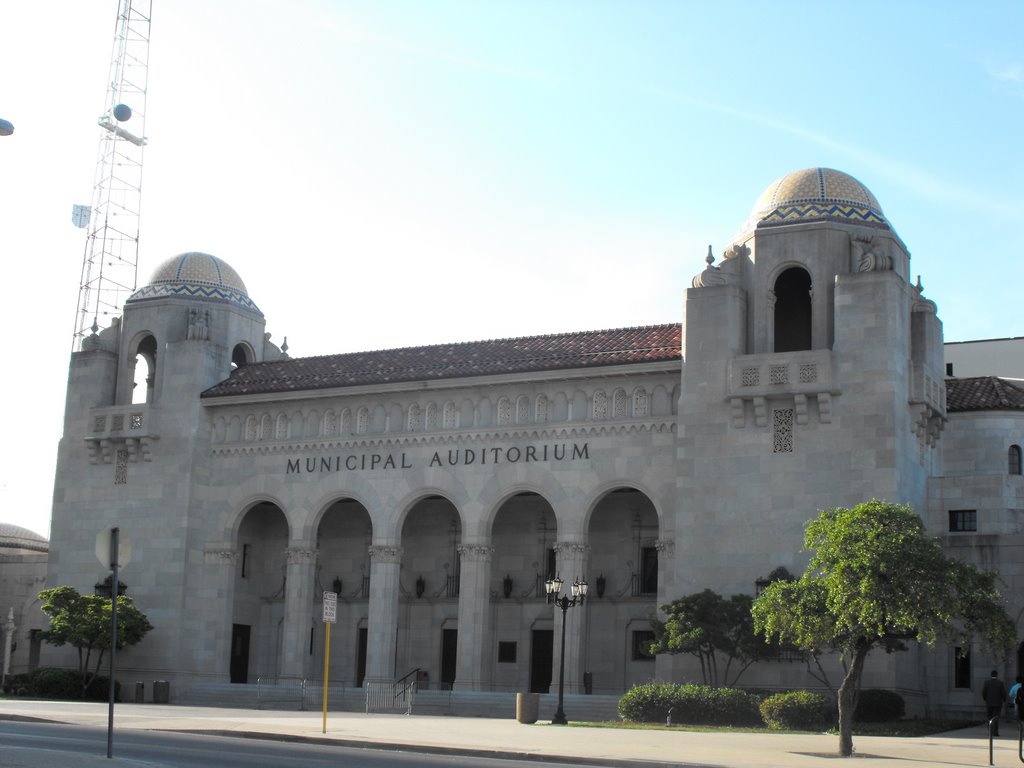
x,y
579,593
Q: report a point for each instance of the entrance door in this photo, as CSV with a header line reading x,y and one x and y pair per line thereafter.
x,y
240,653
360,657
542,656
449,647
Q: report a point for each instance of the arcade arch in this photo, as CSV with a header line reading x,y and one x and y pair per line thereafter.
x,y
259,594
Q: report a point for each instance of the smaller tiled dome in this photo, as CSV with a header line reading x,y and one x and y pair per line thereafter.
x,y
17,538
198,276
815,194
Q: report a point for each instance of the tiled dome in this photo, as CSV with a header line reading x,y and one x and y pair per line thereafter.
x,y
815,194
16,537
196,276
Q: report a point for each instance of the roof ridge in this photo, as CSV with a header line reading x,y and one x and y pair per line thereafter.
x,y
568,334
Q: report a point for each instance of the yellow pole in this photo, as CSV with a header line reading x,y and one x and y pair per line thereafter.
x,y
327,658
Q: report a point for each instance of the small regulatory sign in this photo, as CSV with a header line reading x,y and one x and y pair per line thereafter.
x,y
330,607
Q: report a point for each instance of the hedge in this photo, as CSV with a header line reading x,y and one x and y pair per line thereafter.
x,y
798,711
689,704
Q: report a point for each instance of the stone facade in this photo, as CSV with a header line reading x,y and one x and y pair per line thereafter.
x,y
436,488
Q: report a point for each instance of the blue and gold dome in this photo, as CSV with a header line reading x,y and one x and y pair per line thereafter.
x,y
197,276
816,194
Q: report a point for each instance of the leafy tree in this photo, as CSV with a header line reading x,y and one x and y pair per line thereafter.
x,y
84,622
876,580
707,625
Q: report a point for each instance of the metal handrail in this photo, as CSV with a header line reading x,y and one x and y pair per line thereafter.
x,y
991,737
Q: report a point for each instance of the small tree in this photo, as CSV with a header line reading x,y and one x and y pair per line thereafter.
x,y
875,581
707,625
84,622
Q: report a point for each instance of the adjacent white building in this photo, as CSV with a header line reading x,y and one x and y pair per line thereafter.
x,y
435,488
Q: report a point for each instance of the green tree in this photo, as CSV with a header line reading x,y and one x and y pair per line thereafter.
x,y
876,580
707,625
83,621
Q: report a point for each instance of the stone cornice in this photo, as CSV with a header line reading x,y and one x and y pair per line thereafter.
x,y
441,438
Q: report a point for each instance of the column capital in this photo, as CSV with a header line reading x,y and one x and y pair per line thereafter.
x,y
571,547
385,553
300,555
475,552
219,554
668,546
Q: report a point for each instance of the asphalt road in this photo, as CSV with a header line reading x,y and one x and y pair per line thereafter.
x,y
54,744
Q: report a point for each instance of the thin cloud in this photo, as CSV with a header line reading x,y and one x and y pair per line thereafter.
x,y
1007,73
920,182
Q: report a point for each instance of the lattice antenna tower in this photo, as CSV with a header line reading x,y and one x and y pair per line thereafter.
x,y
110,262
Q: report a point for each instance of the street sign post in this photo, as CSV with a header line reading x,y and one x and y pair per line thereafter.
x,y
330,617
114,551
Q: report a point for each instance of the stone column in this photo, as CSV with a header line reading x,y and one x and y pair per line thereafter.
x,y
382,621
666,594
571,561
9,628
298,611
475,630
215,613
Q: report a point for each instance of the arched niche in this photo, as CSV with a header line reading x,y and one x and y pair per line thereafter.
x,y
792,310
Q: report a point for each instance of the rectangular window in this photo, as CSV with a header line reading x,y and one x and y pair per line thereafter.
x,y
961,668
648,571
642,639
506,652
962,520
551,564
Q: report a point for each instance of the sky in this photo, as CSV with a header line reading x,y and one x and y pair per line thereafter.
x,y
386,174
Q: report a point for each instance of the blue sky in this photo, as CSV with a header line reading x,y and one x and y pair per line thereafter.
x,y
394,173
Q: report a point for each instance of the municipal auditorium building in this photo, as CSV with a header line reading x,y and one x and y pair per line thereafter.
x,y
436,488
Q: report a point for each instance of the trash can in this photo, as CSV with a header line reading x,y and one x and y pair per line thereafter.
x,y
588,683
527,707
161,692
140,692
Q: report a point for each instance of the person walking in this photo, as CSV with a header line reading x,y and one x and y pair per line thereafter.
x,y
994,694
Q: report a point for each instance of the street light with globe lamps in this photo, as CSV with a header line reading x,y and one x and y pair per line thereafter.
x,y
579,593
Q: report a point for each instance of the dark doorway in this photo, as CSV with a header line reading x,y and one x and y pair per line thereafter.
x,y
793,311
240,653
542,656
449,650
360,657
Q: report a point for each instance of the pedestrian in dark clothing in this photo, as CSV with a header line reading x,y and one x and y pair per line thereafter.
x,y
994,694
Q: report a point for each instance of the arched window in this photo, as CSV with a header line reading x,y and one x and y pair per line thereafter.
x,y
241,355
145,371
793,310
1013,459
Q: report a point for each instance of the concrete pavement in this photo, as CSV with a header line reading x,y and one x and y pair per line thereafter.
x,y
507,738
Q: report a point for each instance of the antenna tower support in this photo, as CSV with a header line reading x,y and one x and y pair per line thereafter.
x,y
110,262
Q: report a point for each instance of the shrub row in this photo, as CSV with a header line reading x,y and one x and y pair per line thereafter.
x,y
692,704
54,683
703,705
798,711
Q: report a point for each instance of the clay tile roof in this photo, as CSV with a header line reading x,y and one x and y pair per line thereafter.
x,y
587,349
984,393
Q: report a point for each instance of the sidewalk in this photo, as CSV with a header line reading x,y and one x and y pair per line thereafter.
x,y
507,738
